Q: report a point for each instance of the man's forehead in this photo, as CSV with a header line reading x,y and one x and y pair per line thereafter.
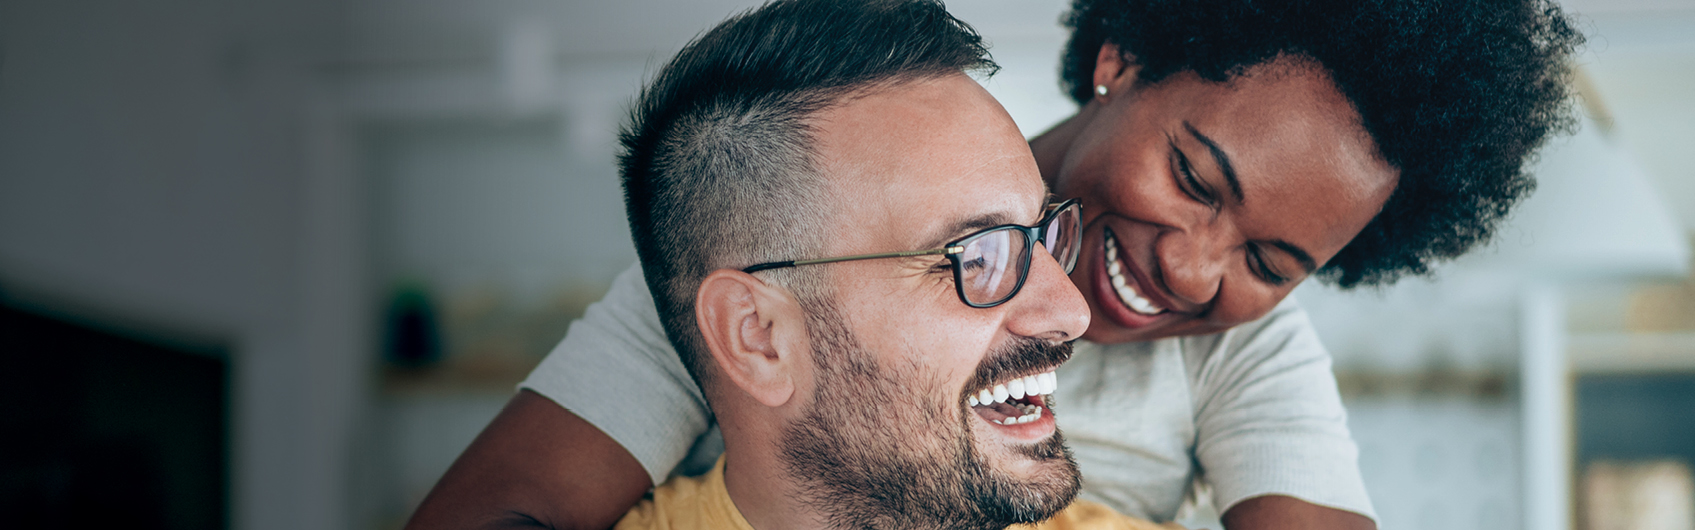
x,y
927,159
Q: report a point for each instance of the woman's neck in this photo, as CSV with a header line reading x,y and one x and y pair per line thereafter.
x,y
1051,146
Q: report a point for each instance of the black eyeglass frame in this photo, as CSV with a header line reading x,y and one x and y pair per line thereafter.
x,y
1032,234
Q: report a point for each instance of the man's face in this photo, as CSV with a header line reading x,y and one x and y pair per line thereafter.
x,y
890,437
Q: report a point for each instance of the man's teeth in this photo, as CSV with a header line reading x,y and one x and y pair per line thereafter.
x,y
1031,413
1031,385
1126,292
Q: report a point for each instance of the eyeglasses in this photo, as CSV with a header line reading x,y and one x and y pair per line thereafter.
x,y
981,260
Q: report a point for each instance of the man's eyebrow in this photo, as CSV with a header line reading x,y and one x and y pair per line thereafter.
x,y
965,226
1222,159
1300,255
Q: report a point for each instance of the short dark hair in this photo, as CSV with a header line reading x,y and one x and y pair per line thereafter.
x,y
717,160
1456,94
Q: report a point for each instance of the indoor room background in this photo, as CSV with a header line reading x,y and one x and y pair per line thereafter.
x,y
272,264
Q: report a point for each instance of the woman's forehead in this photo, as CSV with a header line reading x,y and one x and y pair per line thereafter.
x,y
1294,143
1291,116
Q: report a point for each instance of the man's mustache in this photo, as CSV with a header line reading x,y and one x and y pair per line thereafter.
x,y
1023,356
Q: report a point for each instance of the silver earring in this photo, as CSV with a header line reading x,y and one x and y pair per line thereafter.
x,y
1100,90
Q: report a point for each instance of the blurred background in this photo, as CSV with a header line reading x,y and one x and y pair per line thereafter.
x,y
272,264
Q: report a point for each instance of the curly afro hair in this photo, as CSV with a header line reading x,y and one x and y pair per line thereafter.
x,y
1456,94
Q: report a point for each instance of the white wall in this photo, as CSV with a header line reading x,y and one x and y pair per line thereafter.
x,y
164,168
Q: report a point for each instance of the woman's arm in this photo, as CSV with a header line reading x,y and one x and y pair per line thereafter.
x,y
1279,512
537,465
606,415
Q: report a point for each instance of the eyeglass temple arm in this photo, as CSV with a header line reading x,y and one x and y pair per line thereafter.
x,y
907,254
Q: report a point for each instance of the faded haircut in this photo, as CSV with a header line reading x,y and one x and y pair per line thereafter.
x,y
717,160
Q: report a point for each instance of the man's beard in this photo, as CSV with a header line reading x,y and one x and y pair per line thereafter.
x,y
873,451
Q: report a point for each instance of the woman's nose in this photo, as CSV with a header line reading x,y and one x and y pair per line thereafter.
x,y
1192,265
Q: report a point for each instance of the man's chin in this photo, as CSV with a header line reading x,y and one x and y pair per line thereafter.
x,y
1031,449
1031,481
1026,459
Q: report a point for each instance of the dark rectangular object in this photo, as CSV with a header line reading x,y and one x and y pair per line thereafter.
x,y
106,431
1636,417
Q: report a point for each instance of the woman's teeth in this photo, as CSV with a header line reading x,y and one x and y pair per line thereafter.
x,y
1126,292
1031,385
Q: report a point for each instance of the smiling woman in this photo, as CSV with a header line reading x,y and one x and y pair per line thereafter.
x,y
1382,137
1226,151
1213,200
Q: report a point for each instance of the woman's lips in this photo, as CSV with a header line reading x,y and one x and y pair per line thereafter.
x,y
1122,281
1114,282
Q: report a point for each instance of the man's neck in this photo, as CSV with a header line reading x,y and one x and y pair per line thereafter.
x,y
760,487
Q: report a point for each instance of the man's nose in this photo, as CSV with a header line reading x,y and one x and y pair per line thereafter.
x,y
1192,265
1049,307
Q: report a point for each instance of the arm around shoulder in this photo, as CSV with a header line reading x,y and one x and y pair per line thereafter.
x,y
1278,512
609,412
537,465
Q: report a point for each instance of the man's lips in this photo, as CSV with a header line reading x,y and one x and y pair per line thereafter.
x,y
1010,389
1017,399
1018,405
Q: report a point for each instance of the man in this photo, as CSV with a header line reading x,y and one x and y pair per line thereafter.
x,y
886,389
856,260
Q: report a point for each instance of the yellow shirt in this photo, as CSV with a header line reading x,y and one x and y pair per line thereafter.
x,y
703,502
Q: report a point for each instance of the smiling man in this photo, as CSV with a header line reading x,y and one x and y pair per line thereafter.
x,y
858,263
840,250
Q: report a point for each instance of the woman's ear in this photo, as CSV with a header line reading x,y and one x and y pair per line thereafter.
x,y
749,329
1114,74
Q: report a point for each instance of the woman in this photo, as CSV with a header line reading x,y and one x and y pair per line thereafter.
x,y
1225,150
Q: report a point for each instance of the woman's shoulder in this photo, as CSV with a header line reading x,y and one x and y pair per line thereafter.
x,y
1285,329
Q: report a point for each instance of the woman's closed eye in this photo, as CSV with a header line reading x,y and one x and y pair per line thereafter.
x,y
1261,266
1184,174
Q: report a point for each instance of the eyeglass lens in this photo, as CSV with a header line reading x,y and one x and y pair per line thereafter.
x,y
1061,237
986,265
994,263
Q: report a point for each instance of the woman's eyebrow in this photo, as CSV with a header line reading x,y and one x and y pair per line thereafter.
x,y
1222,159
1299,254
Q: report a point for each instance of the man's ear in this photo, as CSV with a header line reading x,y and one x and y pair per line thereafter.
x,y
751,330
1114,72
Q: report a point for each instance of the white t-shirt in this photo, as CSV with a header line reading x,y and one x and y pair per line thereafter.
x,y
1252,410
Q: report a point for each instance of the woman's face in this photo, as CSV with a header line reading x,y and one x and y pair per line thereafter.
x,y
1206,203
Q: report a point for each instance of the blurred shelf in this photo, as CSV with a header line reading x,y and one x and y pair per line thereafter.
x,y
485,374
1629,353
1476,384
